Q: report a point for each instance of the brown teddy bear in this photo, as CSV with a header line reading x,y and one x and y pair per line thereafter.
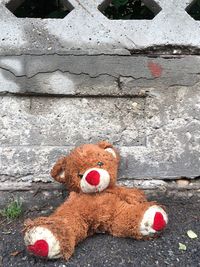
x,y
95,204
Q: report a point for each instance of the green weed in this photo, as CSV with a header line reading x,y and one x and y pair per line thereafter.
x,y
13,210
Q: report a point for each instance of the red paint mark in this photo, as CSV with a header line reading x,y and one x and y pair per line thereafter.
x,y
155,68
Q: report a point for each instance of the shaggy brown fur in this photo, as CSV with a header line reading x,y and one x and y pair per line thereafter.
x,y
116,210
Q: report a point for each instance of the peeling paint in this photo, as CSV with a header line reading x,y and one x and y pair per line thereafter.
x,y
155,69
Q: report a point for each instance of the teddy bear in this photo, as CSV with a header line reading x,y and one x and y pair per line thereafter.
x,y
95,204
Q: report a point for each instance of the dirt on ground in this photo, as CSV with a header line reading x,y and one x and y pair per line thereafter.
x,y
104,250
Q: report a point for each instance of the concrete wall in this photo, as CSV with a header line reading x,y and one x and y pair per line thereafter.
x,y
59,89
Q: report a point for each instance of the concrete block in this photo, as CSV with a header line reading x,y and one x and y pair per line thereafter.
x,y
158,136
32,121
85,30
95,75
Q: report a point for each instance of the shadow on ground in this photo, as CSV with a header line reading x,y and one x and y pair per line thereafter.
x,y
104,250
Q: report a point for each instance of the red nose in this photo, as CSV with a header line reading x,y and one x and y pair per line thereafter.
x,y
93,178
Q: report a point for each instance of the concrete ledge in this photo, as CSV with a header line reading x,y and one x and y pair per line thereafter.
x,y
95,75
26,192
151,184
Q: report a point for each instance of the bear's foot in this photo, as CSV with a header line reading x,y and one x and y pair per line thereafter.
x,y
41,242
154,220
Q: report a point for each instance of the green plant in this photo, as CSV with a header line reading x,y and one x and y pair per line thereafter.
x,y
118,3
13,210
128,9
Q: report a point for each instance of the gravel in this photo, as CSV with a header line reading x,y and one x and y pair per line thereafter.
x,y
104,250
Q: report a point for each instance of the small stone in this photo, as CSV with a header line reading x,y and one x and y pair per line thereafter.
x,y
182,182
46,193
188,135
142,92
134,104
190,194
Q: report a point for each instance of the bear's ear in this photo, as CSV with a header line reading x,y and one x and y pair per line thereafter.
x,y
109,148
58,170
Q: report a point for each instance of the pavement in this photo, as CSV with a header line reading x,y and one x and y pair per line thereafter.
x,y
104,250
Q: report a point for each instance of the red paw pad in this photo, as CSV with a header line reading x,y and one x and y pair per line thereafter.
x,y
40,248
159,222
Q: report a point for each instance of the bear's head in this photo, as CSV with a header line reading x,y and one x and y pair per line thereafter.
x,y
88,168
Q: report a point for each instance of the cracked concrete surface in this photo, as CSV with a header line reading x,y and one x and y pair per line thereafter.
x,y
95,75
49,104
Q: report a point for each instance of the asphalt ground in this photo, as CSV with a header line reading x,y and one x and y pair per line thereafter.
x,y
104,250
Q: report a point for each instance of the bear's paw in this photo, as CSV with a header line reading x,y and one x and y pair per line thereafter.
x,y
154,220
41,242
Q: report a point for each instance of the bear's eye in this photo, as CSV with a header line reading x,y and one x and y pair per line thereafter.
x,y
100,163
80,175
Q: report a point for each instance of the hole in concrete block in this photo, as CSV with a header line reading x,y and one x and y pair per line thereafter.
x,y
194,9
130,9
53,9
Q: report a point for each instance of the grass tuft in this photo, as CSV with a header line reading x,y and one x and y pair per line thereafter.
x,y
13,210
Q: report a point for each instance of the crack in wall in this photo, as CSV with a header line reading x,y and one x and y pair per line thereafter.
x,y
56,70
78,74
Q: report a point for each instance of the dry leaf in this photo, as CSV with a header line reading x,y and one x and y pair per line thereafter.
x,y
182,246
191,234
15,253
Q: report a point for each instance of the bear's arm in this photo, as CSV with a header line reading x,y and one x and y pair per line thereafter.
x,y
130,195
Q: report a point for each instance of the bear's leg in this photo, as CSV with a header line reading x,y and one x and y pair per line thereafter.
x,y
54,237
139,221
